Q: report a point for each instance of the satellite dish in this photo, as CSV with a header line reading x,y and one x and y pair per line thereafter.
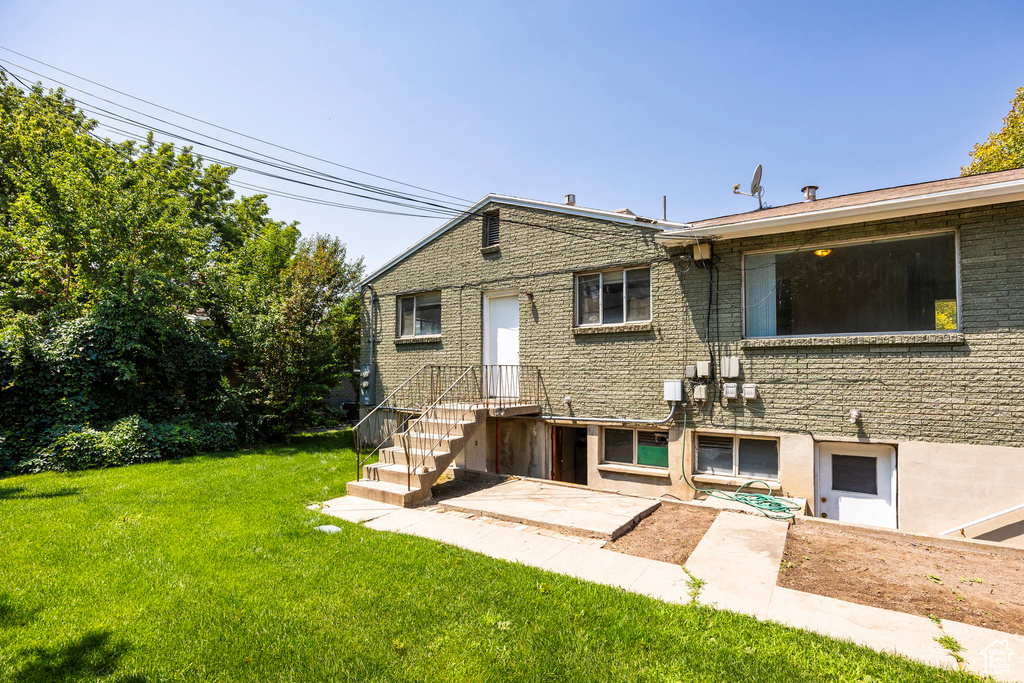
x,y
755,187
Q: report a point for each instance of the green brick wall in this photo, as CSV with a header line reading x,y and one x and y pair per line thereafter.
x,y
965,389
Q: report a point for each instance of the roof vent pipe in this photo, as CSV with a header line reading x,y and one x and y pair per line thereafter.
x,y
570,199
809,192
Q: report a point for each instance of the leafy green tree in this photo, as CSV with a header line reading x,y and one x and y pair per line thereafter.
x,y
293,334
105,250
1002,150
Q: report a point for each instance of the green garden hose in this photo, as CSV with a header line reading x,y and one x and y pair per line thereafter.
x,y
765,503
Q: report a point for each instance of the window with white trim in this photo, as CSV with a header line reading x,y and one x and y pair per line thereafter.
x,y
737,456
892,285
419,315
635,447
612,297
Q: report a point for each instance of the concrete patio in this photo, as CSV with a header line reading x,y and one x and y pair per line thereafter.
x,y
570,509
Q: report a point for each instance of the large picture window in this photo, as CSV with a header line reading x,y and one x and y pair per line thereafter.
x,y
612,297
906,284
737,456
419,315
636,447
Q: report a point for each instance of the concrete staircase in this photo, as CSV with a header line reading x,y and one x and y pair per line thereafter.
x,y
434,441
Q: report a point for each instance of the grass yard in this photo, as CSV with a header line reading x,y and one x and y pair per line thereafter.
x,y
209,569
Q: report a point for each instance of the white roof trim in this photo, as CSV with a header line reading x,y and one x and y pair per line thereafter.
x,y
947,200
610,216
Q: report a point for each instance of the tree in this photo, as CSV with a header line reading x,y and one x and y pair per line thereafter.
x,y
293,331
1002,150
105,251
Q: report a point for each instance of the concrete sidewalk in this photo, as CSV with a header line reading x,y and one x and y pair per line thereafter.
x,y
738,559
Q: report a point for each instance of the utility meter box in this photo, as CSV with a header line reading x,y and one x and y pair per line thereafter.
x,y
702,251
691,371
730,391
367,384
673,390
730,366
703,368
700,392
749,392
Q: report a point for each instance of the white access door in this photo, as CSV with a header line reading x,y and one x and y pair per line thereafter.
x,y
857,483
501,344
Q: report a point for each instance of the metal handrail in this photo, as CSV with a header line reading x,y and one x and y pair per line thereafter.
x,y
982,519
499,388
383,404
447,395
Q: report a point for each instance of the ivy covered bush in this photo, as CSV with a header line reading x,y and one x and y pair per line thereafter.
x,y
145,311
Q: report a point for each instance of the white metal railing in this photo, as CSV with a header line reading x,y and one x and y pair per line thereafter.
x,y
982,519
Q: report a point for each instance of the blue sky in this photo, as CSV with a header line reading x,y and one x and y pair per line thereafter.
x,y
619,103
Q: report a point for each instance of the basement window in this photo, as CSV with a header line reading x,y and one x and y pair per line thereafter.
x,y
613,297
737,456
887,286
419,315
492,230
636,447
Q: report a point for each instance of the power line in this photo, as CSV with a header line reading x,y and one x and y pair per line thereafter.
x,y
214,125
406,201
275,162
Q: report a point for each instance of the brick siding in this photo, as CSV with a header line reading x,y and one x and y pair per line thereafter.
x,y
957,388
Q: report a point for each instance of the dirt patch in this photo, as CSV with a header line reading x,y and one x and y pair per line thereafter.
x,y
959,585
669,534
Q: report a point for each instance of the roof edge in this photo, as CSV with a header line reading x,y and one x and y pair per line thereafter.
x,y
945,200
492,198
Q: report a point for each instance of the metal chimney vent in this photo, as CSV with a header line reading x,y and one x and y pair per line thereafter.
x,y
570,199
809,192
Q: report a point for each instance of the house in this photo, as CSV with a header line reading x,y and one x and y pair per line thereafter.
x,y
864,353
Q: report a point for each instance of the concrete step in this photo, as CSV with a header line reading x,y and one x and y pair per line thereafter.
x,y
443,413
399,474
386,492
449,443
395,455
442,426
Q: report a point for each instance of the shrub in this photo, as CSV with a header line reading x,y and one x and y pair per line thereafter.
x,y
80,447
127,441
188,437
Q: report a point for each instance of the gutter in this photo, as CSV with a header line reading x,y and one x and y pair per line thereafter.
x,y
998,193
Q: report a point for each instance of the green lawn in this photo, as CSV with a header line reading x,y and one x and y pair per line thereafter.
x,y
209,569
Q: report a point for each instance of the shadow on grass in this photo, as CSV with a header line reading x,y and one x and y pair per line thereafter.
x,y
89,657
12,615
17,493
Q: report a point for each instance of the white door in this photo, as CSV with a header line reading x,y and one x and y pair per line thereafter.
x,y
501,344
857,483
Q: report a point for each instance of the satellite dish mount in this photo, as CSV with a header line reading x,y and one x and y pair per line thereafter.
x,y
755,187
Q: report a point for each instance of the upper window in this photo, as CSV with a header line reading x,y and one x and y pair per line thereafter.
x,y
906,284
737,456
636,447
492,229
419,315
614,296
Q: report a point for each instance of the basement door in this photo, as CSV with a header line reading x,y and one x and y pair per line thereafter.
x,y
501,344
857,483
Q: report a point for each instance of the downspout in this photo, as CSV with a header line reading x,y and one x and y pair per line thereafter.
x,y
570,418
373,329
